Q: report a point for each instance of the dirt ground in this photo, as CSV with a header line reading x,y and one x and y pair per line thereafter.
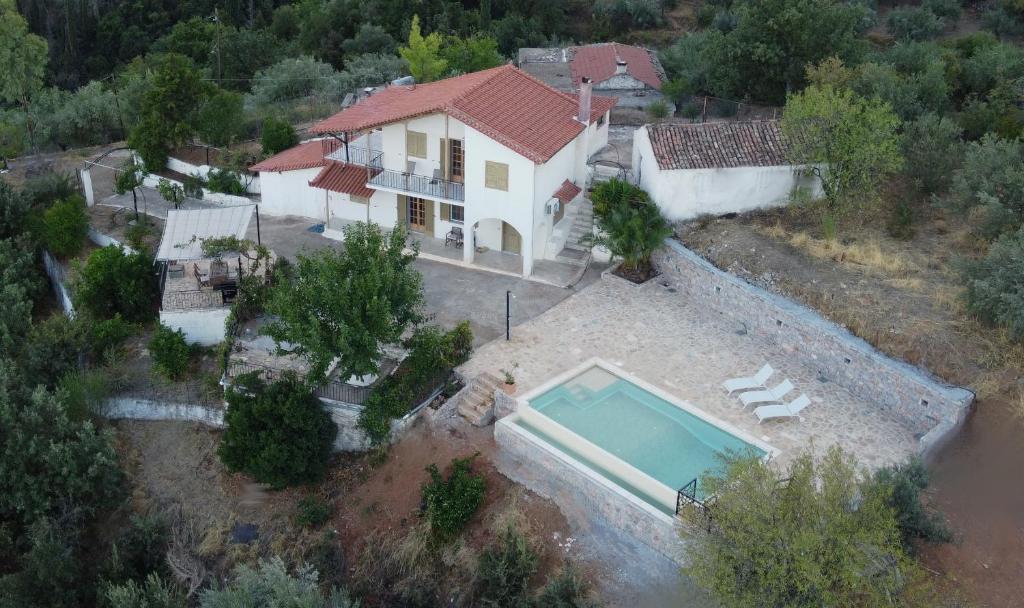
x,y
903,297
172,464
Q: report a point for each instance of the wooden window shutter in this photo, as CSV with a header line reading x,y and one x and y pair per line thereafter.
x,y
496,175
444,158
403,210
416,144
446,212
429,219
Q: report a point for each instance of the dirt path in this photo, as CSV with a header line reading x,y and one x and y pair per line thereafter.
x,y
902,297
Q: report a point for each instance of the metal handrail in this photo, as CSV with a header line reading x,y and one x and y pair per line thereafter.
x,y
433,187
357,155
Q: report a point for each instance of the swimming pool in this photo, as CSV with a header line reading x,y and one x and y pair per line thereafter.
x,y
631,433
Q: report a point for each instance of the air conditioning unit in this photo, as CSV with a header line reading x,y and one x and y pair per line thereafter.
x,y
552,207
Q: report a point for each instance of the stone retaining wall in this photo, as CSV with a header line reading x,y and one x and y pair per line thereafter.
x,y
145,409
932,410
533,463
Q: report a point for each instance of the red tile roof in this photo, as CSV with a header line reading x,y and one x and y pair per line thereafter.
x,y
598,62
504,103
715,145
566,192
345,178
306,155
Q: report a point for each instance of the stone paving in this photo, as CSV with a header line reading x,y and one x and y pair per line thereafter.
x,y
665,339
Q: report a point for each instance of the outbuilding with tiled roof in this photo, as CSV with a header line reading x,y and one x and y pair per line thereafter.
x,y
693,169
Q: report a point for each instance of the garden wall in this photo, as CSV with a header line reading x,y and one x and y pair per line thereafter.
x,y
251,182
55,271
145,409
931,409
219,198
352,438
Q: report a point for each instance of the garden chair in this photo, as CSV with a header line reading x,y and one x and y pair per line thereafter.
x,y
757,381
772,395
454,236
783,410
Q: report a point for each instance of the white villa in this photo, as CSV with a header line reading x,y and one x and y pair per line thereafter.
x,y
716,167
484,161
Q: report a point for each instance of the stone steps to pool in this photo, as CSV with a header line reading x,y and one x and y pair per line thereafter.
x,y
477,403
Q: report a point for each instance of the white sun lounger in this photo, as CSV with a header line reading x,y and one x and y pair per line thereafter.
x,y
757,381
772,395
782,410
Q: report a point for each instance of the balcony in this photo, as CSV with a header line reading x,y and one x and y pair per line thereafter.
x,y
419,185
356,155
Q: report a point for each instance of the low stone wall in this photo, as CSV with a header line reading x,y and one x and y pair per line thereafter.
x,y
210,196
352,438
104,240
55,271
533,463
145,409
932,409
251,183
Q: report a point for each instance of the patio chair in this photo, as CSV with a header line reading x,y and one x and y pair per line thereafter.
x,y
757,381
454,236
783,410
202,279
772,395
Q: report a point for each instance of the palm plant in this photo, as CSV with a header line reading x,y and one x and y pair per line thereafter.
x,y
630,225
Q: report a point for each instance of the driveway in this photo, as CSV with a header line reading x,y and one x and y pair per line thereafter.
x,y
452,294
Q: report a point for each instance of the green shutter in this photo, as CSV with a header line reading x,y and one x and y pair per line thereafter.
x,y
446,212
403,210
429,212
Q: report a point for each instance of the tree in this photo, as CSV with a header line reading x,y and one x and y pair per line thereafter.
x,y
277,136
423,54
370,39
850,143
465,55
168,110
171,353
765,55
823,537
220,120
269,585
915,23
172,192
348,304
631,225
49,464
990,185
23,56
114,282
995,284
14,209
65,226
129,178
279,433
933,151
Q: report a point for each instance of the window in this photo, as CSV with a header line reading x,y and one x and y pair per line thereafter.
x,y
457,159
453,213
496,175
416,144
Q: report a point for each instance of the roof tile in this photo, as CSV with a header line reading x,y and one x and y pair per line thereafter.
x,y
598,62
717,145
306,155
504,103
345,178
566,192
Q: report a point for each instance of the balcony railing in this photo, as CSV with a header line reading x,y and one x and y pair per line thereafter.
x,y
432,187
357,155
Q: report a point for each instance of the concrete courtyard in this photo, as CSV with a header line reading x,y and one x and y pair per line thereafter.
x,y
655,333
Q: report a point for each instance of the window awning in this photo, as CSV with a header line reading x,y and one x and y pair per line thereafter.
x,y
186,230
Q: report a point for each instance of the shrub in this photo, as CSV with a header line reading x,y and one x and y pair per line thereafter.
x,y
568,589
313,512
277,136
690,110
192,185
155,592
657,109
51,187
270,584
65,226
137,234
139,552
995,284
504,571
113,282
632,227
82,393
451,501
431,355
52,349
990,186
108,334
171,355
279,433
933,151
14,209
913,23
223,180
903,484
947,9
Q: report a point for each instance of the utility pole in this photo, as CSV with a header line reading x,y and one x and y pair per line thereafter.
x,y
216,20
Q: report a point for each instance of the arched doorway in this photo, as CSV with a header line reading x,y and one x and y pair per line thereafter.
x,y
499,245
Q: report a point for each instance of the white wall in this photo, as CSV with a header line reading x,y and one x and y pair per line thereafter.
x,y
251,182
289,193
205,327
685,194
549,178
383,208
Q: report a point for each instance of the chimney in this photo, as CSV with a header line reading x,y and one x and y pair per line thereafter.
x,y
620,66
584,111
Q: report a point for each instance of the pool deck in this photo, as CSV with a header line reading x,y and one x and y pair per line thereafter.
x,y
666,340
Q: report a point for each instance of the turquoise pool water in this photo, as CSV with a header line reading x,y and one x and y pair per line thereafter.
x,y
664,441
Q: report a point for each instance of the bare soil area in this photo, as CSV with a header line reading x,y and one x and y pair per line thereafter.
x,y
903,297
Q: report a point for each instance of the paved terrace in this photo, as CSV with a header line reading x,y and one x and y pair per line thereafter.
x,y
663,338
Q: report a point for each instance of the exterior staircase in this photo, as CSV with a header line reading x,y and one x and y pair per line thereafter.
x,y
477,401
577,248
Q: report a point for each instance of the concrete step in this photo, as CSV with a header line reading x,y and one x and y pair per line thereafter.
x,y
477,402
576,247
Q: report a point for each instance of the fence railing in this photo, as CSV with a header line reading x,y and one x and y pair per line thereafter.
x,y
335,390
357,155
687,495
434,187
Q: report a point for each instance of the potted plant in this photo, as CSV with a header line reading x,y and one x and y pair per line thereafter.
x,y
508,375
